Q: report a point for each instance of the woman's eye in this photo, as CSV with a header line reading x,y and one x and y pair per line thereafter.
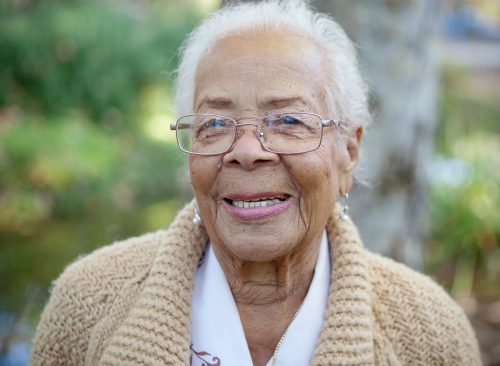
x,y
213,127
215,123
290,120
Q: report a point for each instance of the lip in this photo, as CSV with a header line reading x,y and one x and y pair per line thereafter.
x,y
256,213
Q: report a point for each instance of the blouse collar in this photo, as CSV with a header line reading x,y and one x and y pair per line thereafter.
x,y
217,334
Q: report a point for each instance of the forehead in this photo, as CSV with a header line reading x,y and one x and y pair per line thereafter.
x,y
261,65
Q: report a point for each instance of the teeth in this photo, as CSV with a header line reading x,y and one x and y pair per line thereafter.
x,y
258,203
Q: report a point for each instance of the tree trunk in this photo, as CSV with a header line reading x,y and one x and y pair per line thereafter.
x,y
395,39
398,60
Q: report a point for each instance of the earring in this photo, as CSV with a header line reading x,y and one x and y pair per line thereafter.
x,y
196,217
344,216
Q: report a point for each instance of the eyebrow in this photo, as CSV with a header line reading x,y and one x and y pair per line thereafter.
x,y
282,102
217,102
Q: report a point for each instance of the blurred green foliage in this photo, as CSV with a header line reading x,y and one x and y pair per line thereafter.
x,y
464,250
80,165
92,55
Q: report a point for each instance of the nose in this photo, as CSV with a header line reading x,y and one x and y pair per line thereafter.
x,y
247,150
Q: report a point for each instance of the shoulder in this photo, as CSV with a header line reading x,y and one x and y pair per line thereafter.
x,y
115,262
389,275
83,293
105,270
418,317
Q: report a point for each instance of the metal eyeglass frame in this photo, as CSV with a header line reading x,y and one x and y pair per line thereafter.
x,y
259,134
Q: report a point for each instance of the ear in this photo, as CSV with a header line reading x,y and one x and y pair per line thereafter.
x,y
353,147
353,144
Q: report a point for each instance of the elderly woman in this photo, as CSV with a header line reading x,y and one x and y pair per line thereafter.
x,y
263,267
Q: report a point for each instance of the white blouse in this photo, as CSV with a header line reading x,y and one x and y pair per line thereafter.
x,y
217,336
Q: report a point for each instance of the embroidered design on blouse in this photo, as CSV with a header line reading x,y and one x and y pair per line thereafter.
x,y
201,355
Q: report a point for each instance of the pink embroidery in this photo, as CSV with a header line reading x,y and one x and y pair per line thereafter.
x,y
200,355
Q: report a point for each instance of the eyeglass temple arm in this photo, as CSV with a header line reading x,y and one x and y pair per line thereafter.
x,y
333,122
179,126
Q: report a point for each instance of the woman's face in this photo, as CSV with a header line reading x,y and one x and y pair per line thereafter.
x,y
245,78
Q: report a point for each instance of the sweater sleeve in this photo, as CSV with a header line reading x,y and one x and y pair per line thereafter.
x,y
84,294
419,319
63,332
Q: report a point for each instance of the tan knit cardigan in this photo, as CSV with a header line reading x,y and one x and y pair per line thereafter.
x,y
130,303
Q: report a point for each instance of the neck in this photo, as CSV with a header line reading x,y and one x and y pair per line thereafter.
x,y
282,280
268,294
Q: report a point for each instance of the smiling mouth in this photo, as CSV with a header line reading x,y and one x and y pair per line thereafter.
x,y
259,202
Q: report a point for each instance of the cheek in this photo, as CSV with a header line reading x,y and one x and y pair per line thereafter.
x,y
327,165
316,178
336,149
203,172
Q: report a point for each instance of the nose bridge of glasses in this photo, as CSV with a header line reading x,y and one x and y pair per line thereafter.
x,y
241,126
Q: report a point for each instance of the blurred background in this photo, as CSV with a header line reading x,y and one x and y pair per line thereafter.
x,y
87,158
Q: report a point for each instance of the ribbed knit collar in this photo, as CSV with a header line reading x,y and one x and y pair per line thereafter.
x,y
156,327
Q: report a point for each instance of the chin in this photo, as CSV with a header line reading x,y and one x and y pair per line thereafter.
x,y
252,247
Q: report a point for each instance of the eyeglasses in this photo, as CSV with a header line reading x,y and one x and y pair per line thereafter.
x,y
281,133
